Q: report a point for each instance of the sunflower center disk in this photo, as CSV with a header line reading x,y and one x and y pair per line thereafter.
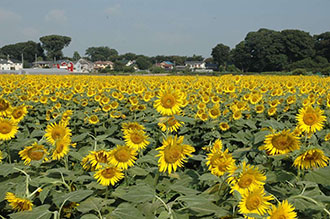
x,y
136,138
253,203
122,156
35,154
310,119
5,128
108,173
172,155
245,181
57,134
281,142
168,101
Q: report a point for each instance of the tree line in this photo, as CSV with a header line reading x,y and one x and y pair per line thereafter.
x,y
260,51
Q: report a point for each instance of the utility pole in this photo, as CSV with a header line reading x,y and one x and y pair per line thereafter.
x,y
22,60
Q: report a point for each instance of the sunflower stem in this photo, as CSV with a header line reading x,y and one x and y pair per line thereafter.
x,y
168,208
8,152
27,192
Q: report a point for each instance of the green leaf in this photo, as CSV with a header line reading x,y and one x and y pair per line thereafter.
x,y
208,177
93,203
37,133
320,176
137,194
183,189
127,211
6,169
260,136
115,141
77,138
40,212
89,216
185,119
76,196
137,171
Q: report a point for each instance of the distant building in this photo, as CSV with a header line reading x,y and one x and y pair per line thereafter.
x,y
42,64
10,64
211,66
193,65
84,66
167,65
98,65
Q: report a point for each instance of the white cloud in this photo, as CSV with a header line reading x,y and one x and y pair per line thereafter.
x,y
56,16
113,10
7,16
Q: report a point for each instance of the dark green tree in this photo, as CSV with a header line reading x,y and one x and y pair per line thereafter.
x,y
298,45
102,53
322,45
143,62
220,54
195,58
76,56
29,50
241,56
54,44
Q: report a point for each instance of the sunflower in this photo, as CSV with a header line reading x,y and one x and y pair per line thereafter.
x,y
1,156
214,112
281,143
237,115
171,124
173,154
312,158
248,178
284,210
224,126
123,156
126,126
327,137
169,102
93,119
219,161
18,113
66,116
95,160
5,108
260,108
254,201
35,152
310,119
56,132
8,129
109,175
18,204
61,148
271,111
136,139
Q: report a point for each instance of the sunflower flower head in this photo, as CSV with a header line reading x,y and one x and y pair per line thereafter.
x,y
136,139
312,158
169,102
171,124
95,160
311,120
283,210
8,128
36,152
173,153
281,143
55,132
123,156
18,204
109,175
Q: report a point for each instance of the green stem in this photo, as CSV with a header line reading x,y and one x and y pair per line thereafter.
x,y
8,152
312,200
166,206
27,192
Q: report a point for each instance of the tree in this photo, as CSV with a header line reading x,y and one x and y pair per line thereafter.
x,y
102,53
322,45
220,54
195,58
143,62
76,56
298,45
241,56
54,44
29,50
129,56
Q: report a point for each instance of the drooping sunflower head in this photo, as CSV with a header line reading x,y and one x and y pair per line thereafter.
x,y
123,156
95,160
171,124
126,126
284,210
5,108
136,139
8,129
109,175
62,147
310,119
18,204
169,102
173,154
255,201
19,113
281,143
312,158
36,152
219,162
55,132
248,178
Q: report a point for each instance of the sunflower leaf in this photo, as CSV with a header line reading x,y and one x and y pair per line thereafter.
x,y
40,212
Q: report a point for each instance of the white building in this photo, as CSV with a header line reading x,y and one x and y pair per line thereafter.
x,y
10,65
84,66
194,65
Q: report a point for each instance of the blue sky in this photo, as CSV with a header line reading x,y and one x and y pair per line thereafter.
x,y
156,27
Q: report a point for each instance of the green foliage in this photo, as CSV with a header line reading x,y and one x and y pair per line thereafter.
x,y
29,50
54,44
102,53
143,62
220,54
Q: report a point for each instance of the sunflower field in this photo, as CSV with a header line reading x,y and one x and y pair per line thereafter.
x,y
164,147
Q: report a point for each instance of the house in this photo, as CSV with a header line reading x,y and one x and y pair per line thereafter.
x,y
84,66
10,64
98,65
211,66
193,65
42,64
